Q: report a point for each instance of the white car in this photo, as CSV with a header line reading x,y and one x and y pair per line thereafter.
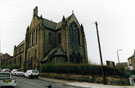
x,y
31,74
19,73
6,70
6,80
13,72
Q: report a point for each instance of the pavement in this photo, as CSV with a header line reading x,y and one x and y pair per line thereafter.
x,y
83,84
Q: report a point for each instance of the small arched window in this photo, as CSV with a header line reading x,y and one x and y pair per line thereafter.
x,y
33,35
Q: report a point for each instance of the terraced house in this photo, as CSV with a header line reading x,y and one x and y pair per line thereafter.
x,y
48,41
131,61
4,58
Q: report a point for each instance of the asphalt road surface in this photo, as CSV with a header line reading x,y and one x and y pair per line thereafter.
x,y
37,83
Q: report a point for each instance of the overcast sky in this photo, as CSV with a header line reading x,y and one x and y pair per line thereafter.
x,y
116,19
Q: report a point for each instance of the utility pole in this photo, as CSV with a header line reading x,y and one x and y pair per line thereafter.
x,y
0,48
102,68
0,41
0,63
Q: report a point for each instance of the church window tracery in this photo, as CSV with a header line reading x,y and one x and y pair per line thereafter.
x,y
74,34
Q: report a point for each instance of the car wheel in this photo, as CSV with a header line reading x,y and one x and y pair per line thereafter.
x,y
30,76
37,77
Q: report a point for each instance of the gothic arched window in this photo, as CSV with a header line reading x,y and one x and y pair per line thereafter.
x,y
49,37
78,58
74,34
71,34
59,38
34,37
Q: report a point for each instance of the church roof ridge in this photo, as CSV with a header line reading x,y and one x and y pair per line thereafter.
x,y
53,25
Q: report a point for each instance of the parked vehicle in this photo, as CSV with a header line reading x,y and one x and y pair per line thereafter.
x,y
0,69
19,73
13,72
31,74
6,80
6,70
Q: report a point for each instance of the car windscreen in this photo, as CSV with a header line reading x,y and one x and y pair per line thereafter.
x,y
34,71
4,75
19,70
6,70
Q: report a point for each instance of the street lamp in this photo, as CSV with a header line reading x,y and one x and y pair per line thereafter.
x,y
118,54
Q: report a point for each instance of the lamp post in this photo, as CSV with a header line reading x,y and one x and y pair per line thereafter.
x,y
102,68
0,63
118,54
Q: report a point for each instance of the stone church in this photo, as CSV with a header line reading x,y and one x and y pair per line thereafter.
x,y
47,41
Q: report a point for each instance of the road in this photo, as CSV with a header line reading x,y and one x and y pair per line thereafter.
x,y
37,83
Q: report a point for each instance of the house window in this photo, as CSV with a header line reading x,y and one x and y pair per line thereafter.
x,y
14,60
35,53
129,61
19,49
20,60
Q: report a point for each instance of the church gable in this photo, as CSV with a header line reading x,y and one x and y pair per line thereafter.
x,y
34,23
48,24
73,18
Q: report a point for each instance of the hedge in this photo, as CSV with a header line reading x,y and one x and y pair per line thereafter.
x,y
83,69
10,66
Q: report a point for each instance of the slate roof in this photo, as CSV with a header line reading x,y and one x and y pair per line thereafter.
x,y
49,24
59,52
56,52
53,25
132,55
49,54
21,43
